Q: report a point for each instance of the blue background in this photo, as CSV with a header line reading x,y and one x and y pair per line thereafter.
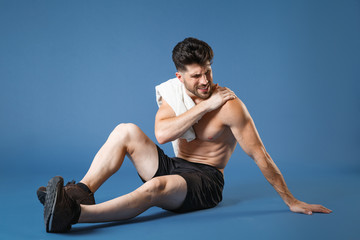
x,y
70,71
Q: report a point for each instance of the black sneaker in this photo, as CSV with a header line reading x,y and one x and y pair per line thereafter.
x,y
60,210
41,194
81,195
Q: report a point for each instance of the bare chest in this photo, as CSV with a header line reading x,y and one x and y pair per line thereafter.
x,y
210,127
214,141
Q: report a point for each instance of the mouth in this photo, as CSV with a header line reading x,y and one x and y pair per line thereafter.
x,y
204,89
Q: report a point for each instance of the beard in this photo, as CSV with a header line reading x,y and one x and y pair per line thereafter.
x,y
200,91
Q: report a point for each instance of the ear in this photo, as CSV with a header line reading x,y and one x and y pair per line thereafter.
x,y
179,76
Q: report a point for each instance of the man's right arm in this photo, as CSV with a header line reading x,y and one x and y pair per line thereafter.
x,y
169,127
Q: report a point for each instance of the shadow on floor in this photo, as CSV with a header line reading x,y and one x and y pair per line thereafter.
x,y
89,229
226,215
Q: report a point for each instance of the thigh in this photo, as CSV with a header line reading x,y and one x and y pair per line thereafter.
x,y
205,185
170,191
142,151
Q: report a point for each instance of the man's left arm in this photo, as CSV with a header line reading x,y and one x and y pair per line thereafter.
x,y
244,130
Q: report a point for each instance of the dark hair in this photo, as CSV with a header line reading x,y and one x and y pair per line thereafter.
x,y
189,51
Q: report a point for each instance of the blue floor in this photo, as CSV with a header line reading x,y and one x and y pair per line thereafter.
x,y
251,209
70,71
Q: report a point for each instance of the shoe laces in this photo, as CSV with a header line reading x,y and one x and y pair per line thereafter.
x,y
70,183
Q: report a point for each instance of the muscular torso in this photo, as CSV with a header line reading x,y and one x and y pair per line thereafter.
x,y
214,141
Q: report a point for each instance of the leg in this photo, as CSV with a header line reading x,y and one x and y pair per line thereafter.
x,y
167,192
126,139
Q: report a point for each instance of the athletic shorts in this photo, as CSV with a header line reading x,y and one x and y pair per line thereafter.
x,y
205,183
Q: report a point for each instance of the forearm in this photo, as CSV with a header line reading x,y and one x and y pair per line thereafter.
x,y
172,128
274,177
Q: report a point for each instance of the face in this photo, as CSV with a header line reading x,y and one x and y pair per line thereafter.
x,y
198,80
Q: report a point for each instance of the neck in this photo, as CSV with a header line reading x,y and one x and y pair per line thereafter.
x,y
197,100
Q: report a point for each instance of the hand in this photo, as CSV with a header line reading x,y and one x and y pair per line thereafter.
x,y
302,207
219,97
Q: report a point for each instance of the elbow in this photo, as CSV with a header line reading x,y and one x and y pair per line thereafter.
x,y
161,137
161,141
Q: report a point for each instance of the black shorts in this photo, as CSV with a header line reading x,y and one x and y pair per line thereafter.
x,y
205,183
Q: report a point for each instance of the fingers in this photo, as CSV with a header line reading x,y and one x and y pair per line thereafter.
x,y
309,209
326,210
229,96
227,93
233,95
319,208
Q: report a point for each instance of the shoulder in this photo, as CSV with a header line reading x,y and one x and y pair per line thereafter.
x,y
234,112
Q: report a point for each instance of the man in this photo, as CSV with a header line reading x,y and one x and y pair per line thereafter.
x,y
192,180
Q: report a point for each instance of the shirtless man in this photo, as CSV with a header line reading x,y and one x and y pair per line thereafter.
x,y
191,181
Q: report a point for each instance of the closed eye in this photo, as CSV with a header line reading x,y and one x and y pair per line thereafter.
x,y
196,76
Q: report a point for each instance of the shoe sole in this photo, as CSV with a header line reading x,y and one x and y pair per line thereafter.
x,y
52,191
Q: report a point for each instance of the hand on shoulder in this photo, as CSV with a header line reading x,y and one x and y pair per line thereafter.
x,y
219,97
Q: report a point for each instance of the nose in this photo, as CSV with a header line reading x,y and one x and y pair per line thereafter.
x,y
203,79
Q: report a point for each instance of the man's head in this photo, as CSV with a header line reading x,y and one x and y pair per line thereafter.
x,y
189,51
193,58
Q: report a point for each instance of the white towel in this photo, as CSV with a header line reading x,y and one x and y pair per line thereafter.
x,y
174,93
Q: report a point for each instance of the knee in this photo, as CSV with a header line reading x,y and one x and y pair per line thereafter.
x,y
126,127
154,188
125,130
